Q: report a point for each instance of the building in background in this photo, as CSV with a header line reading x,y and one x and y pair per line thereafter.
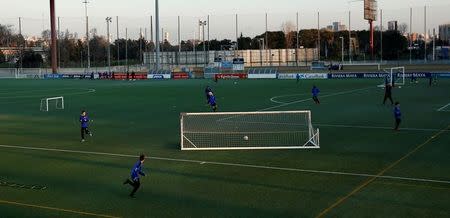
x,y
166,37
393,25
444,32
336,27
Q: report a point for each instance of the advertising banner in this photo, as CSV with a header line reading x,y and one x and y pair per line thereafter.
x,y
231,76
262,76
159,76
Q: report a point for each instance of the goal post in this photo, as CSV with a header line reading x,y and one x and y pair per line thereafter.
x,y
54,102
395,76
248,131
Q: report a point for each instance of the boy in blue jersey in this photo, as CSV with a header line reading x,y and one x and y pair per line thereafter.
x,y
315,93
397,115
212,101
136,172
84,121
207,91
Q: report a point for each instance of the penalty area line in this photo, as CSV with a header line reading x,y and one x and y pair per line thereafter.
x,y
442,109
261,167
56,209
309,99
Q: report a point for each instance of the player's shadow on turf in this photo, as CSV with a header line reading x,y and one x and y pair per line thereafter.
x,y
222,179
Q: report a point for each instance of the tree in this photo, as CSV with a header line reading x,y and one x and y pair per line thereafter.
x,y
244,43
394,44
308,38
403,28
275,40
30,59
289,31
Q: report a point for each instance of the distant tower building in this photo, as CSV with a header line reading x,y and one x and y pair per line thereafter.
x,y
330,27
392,26
336,26
167,37
444,32
342,27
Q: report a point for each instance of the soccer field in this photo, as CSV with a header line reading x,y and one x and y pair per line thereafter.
x,y
363,168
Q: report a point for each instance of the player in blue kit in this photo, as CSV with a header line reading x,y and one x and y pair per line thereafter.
x,y
207,91
315,93
84,121
136,172
397,116
212,101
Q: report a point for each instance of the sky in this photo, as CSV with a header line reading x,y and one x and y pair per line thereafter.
x,y
135,15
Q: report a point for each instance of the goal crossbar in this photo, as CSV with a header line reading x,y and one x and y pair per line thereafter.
x,y
248,131
45,103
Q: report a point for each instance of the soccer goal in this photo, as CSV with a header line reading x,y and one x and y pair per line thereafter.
x,y
394,76
248,130
49,103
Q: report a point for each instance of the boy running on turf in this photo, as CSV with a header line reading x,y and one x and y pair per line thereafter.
x,y
397,115
212,101
84,120
136,172
207,91
315,93
388,94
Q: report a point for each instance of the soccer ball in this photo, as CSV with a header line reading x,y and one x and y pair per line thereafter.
x,y
245,138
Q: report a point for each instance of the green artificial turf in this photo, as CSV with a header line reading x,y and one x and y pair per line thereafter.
x,y
131,118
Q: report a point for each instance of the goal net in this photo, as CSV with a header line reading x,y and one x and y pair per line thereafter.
x,y
50,103
248,130
394,76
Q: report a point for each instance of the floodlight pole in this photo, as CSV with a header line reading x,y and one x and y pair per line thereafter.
x,y
109,20
179,41
371,38
410,35
381,36
157,34
434,44
126,49
425,32
59,44
87,35
237,35
342,49
53,33
349,37
318,36
298,43
202,26
117,42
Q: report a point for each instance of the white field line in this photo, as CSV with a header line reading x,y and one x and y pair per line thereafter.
x,y
379,127
341,126
300,101
262,167
442,108
309,99
282,96
87,91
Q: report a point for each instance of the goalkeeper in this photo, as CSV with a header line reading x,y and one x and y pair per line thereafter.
x,y
136,172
